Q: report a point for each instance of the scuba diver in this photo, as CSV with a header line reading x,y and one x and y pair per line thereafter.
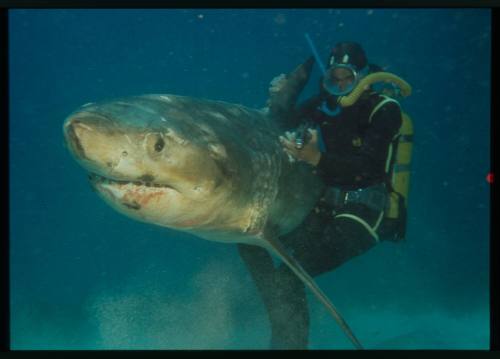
x,y
359,142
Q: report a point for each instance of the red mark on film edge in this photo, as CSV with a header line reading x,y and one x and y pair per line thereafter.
x,y
489,178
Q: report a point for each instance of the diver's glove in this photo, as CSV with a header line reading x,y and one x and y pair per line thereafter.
x,y
309,152
277,83
275,86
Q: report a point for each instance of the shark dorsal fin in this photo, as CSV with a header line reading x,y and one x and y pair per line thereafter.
x,y
284,93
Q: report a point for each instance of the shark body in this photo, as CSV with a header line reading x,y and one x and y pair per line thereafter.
x,y
214,169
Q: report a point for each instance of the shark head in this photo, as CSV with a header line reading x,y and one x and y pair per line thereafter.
x,y
152,165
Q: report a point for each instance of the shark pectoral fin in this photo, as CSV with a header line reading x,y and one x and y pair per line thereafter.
x,y
274,246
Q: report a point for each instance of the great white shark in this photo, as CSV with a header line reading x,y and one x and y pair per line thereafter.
x,y
211,168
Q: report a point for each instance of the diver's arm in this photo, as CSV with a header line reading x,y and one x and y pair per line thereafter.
x,y
374,146
309,153
303,112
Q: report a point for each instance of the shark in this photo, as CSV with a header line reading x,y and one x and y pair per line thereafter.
x,y
214,169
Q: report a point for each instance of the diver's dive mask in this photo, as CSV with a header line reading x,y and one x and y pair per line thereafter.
x,y
341,79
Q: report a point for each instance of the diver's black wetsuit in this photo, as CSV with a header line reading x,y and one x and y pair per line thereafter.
x,y
355,157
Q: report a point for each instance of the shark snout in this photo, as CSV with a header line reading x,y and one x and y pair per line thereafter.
x,y
73,131
98,145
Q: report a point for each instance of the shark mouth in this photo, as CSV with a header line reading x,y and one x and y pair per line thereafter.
x,y
96,179
133,195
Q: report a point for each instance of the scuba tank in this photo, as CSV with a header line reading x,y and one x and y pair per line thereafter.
x,y
399,182
400,179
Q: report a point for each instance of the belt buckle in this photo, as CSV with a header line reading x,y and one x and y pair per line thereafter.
x,y
351,195
346,197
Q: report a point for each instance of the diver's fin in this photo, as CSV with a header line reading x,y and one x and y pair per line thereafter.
x,y
275,247
282,99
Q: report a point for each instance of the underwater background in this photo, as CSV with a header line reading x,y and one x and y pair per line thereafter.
x,y
83,276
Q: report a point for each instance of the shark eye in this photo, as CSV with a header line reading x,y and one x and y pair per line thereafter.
x,y
159,145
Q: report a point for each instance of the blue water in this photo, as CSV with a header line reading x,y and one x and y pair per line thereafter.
x,y
85,277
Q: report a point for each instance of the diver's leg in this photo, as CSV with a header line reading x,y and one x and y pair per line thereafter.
x,y
283,295
342,240
320,244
